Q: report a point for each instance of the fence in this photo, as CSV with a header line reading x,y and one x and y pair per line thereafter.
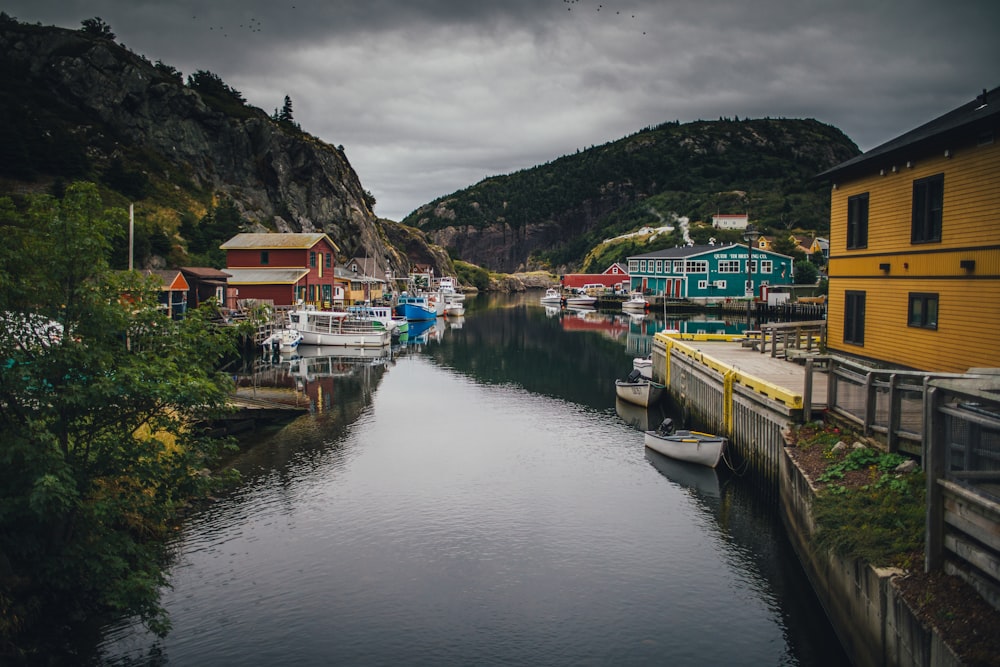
x,y
962,462
889,403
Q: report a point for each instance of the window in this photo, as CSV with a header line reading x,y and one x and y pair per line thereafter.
x,y
678,266
928,200
766,266
312,258
329,260
633,265
702,284
857,221
659,266
922,311
721,284
264,257
642,266
729,266
854,318
697,266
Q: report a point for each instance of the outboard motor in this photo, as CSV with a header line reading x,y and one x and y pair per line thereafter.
x,y
634,375
666,427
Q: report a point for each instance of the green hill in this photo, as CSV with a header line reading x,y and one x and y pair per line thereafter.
x,y
553,215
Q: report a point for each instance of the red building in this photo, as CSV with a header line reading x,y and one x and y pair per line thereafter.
x,y
614,278
282,269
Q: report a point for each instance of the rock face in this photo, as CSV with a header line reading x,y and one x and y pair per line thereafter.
x,y
119,106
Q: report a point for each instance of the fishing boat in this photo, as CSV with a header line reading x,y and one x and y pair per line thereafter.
x,y
577,300
282,340
644,365
553,297
382,316
637,389
635,303
455,309
415,308
337,328
690,446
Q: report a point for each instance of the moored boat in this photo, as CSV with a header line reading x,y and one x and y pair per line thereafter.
x,y
637,389
691,446
415,308
282,340
339,328
635,303
577,300
553,297
382,316
455,309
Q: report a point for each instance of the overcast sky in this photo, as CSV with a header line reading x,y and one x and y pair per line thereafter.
x,y
430,96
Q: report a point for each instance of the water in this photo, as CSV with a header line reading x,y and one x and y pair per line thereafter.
x,y
480,501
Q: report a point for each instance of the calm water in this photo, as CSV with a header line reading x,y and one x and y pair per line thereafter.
x,y
479,500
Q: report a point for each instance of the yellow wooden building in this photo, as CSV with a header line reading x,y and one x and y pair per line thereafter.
x,y
915,246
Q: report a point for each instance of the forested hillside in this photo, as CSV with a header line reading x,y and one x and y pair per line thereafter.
x,y
552,215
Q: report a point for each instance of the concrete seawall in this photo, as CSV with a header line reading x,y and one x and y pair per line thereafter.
x,y
875,624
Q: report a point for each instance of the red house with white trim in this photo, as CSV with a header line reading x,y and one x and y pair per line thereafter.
x,y
614,278
282,268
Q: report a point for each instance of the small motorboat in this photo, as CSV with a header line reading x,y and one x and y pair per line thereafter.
x,y
282,340
636,303
690,446
553,297
639,390
578,300
454,309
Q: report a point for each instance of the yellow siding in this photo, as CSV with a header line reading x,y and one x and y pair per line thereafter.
x,y
966,337
968,333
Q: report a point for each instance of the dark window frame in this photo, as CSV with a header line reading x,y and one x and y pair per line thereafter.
x,y
922,310
857,221
854,317
312,259
265,257
928,209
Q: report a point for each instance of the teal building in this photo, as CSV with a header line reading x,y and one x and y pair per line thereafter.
x,y
704,274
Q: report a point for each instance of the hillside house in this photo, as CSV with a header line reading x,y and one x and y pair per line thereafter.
x,y
706,274
205,283
731,221
282,268
915,245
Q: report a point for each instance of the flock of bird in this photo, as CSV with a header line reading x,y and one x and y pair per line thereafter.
x,y
569,7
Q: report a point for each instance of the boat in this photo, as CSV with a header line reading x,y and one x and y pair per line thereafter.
x,y
337,328
448,289
635,303
690,446
415,308
282,340
382,316
553,297
455,309
577,300
637,389
644,365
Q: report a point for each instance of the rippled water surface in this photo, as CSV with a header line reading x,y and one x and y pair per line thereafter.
x,y
480,500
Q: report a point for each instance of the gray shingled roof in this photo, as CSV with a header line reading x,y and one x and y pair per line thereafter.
x,y
276,241
265,276
966,120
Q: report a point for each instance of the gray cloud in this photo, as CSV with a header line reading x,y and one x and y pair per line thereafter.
x,y
429,97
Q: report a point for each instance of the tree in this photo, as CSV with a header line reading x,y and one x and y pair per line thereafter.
x,y
97,27
285,115
100,391
806,273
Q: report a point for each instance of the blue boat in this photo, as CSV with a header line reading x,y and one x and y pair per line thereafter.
x,y
415,308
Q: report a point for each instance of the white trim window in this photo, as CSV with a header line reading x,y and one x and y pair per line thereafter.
x,y
766,266
702,284
697,266
729,266
633,265
721,284
678,266
659,266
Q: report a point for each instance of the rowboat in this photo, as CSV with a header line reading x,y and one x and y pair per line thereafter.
x,y
691,446
637,389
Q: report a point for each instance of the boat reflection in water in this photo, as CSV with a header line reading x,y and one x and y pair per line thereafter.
x,y
701,480
638,417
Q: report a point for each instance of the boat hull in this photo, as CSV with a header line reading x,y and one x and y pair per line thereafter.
x,y
644,393
348,338
415,312
581,300
692,447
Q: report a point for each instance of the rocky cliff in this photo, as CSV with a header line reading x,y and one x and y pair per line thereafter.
x,y
76,105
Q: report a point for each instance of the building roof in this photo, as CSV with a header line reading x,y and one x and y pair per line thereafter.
x,y
204,272
684,252
257,276
277,241
172,279
968,119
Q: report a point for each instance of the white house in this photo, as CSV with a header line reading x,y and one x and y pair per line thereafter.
x,y
731,221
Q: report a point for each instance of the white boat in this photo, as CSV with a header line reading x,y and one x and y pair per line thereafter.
x,y
644,365
691,446
454,309
578,300
338,328
635,303
282,340
553,297
637,389
382,316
